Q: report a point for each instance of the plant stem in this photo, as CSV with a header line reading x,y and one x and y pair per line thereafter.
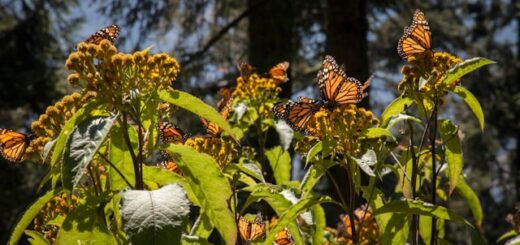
x,y
116,169
342,199
433,134
138,181
415,218
352,195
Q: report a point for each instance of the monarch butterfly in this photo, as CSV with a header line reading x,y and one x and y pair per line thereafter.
x,y
338,89
297,114
109,33
224,107
283,237
13,144
416,38
245,70
279,71
250,231
168,163
169,133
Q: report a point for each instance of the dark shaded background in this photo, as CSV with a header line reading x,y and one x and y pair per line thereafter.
x,y
210,37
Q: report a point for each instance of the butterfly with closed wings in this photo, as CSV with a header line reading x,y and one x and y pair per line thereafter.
x,y
416,39
336,89
224,107
250,231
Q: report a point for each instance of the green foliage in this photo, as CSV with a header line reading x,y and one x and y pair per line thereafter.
x,y
136,178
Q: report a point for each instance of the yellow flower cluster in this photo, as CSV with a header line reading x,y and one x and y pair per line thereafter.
x,y
431,70
58,206
256,87
113,75
365,226
49,125
342,125
220,149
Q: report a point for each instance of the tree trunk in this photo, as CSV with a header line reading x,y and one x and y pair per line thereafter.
x,y
270,32
346,31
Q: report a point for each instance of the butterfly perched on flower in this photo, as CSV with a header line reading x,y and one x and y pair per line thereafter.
x,y
245,70
336,89
13,144
416,39
297,113
279,71
224,108
109,33
250,231
169,133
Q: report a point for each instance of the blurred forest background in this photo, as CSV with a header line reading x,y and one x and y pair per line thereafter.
x,y
210,38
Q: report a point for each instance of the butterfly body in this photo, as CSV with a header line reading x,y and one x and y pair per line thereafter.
x,y
13,144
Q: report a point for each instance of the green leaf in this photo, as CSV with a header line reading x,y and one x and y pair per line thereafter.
x,y
319,224
313,152
121,159
463,68
292,212
61,140
36,238
163,177
84,142
280,162
453,151
374,133
194,240
397,106
472,102
507,235
420,208
250,169
202,227
396,230
375,198
368,159
425,229
197,106
30,214
155,217
269,193
472,199
400,117
84,225
314,174
209,185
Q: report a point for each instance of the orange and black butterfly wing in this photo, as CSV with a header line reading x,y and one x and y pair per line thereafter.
x,y
336,87
416,38
169,133
250,231
224,107
109,33
297,114
283,237
330,79
245,70
168,163
279,71
13,144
